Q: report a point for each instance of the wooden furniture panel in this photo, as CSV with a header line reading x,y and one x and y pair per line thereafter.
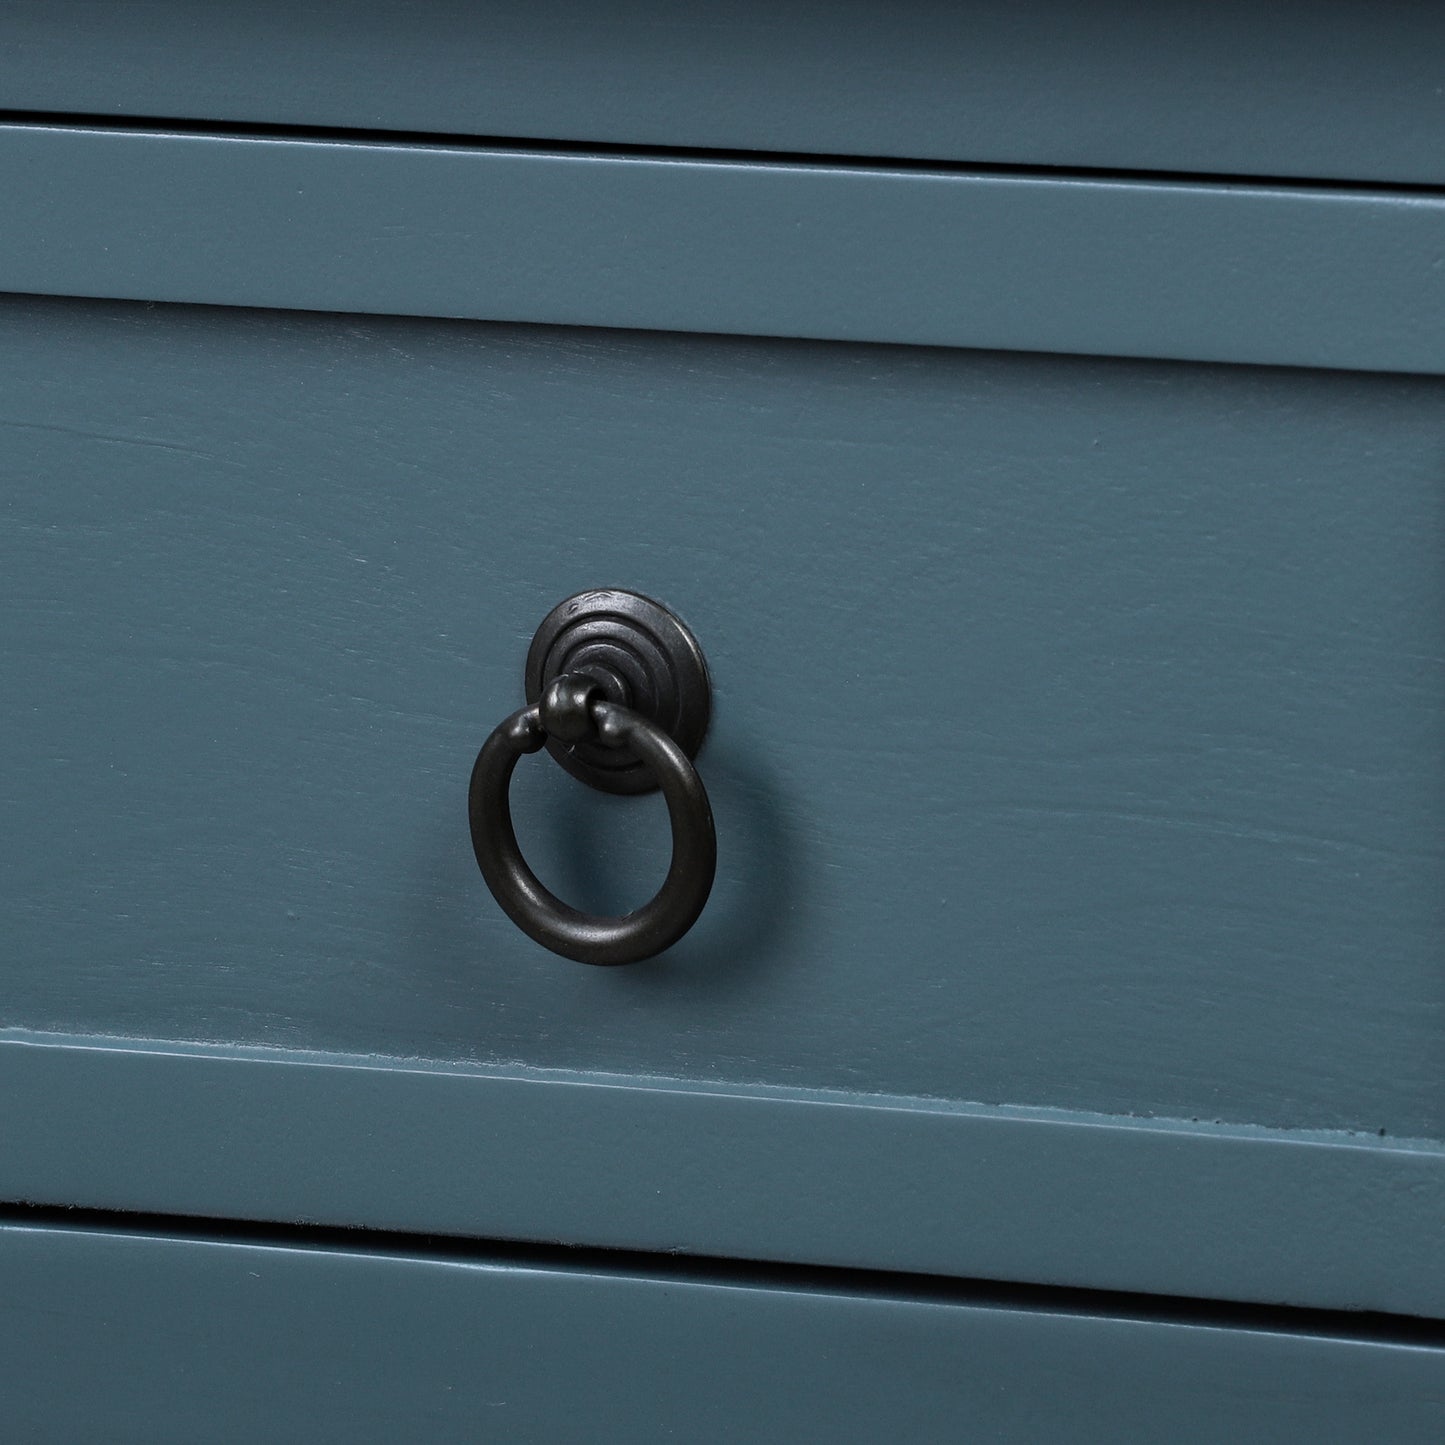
x,y
153,1338
1131,806
1313,89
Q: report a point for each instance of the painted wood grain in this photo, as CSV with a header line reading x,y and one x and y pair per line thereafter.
x,y
1078,724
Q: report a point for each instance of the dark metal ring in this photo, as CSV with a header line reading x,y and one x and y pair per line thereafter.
x,y
573,709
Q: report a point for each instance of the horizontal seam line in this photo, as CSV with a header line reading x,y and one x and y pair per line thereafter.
x,y
1376,1327
257,130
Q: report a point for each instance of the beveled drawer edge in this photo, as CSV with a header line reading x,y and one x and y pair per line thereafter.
x,y
1237,272
1155,1206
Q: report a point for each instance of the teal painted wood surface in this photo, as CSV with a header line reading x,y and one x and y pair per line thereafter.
x,y
1327,88
1243,273
151,1339
822,1177
1132,801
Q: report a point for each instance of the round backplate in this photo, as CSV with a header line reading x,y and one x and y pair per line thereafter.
x,y
643,658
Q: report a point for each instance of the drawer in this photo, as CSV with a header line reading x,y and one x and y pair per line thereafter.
x,y
159,1337
1322,89
1076,766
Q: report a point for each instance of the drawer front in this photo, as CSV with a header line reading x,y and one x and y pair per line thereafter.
x,y
122,1337
1316,90
1077,735
1077,722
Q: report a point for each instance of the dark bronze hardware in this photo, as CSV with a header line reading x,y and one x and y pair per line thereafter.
x,y
617,690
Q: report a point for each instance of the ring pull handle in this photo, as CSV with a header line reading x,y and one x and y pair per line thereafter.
x,y
624,656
